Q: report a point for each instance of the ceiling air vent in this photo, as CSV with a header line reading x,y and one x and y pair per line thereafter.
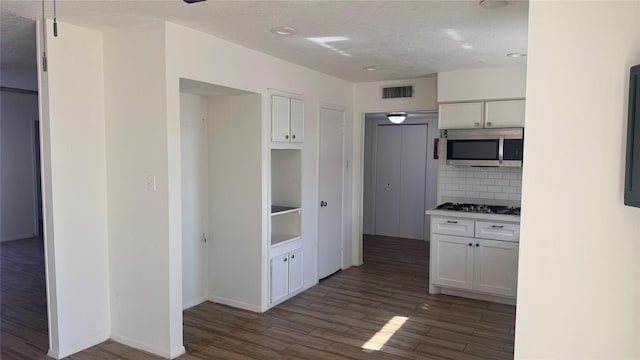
x,y
397,92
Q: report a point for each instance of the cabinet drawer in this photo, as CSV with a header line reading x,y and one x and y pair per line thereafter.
x,y
452,226
497,231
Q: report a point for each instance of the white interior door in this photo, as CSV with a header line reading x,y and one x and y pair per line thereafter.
x,y
413,162
387,200
195,179
330,192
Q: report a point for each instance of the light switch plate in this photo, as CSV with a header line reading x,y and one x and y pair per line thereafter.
x,y
151,183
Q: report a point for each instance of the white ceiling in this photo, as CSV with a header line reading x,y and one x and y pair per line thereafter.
x,y
402,39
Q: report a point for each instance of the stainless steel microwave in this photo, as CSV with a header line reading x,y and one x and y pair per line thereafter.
x,y
483,147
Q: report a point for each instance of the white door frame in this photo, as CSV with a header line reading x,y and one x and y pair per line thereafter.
x,y
359,186
374,153
343,236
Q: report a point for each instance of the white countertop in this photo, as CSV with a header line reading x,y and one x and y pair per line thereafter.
x,y
475,216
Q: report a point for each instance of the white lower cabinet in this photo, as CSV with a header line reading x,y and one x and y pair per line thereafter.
x,y
495,268
475,264
286,275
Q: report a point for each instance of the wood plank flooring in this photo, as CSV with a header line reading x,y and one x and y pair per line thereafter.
x,y
380,310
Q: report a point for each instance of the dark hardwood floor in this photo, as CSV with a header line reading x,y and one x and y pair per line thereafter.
x,y
23,302
380,310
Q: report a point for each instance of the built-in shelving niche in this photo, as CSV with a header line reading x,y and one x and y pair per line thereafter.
x,y
286,180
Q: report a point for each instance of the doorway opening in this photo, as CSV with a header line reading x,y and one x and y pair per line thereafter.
x,y
23,294
400,183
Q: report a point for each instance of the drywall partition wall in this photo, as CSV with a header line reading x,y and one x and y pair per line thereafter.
x,y
195,55
194,149
74,176
137,151
368,96
480,84
235,202
368,99
19,198
585,252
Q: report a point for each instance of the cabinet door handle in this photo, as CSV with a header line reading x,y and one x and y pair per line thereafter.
x,y
497,226
489,123
470,244
477,124
293,136
323,203
285,259
451,222
477,245
286,137
293,256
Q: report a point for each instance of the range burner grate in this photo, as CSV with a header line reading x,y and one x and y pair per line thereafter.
x,y
477,208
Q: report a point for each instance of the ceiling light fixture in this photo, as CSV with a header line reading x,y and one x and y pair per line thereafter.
x,y
493,4
516,55
370,68
284,30
397,117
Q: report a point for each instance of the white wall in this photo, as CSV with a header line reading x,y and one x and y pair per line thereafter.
x,y
368,99
136,138
195,55
75,191
194,149
368,96
579,274
19,78
481,84
235,202
19,198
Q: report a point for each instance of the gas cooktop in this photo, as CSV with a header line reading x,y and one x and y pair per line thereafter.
x,y
484,209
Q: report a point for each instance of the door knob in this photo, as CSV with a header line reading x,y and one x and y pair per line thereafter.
x,y
323,203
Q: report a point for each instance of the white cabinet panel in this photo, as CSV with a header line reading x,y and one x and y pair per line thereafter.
x,y
280,113
497,231
461,115
452,261
452,226
297,121
279,278
496,267
295,271
506,113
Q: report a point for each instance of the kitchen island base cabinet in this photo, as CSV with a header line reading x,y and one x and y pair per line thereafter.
x,y
474,266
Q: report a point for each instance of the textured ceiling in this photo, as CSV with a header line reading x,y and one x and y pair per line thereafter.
x,y
402,39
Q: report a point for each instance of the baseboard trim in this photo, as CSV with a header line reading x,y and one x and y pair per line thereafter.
x,y
59,354
125,340
478,296
193,303
235,303
178,352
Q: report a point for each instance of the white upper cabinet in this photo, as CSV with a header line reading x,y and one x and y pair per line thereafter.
x,y
280,114
503,114
287,119
297,120
461,115
482,114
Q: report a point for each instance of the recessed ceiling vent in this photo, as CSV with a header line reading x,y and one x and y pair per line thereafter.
x,y
397,92
193,1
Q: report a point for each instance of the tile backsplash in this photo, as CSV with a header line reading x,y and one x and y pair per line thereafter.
x,y
486,183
